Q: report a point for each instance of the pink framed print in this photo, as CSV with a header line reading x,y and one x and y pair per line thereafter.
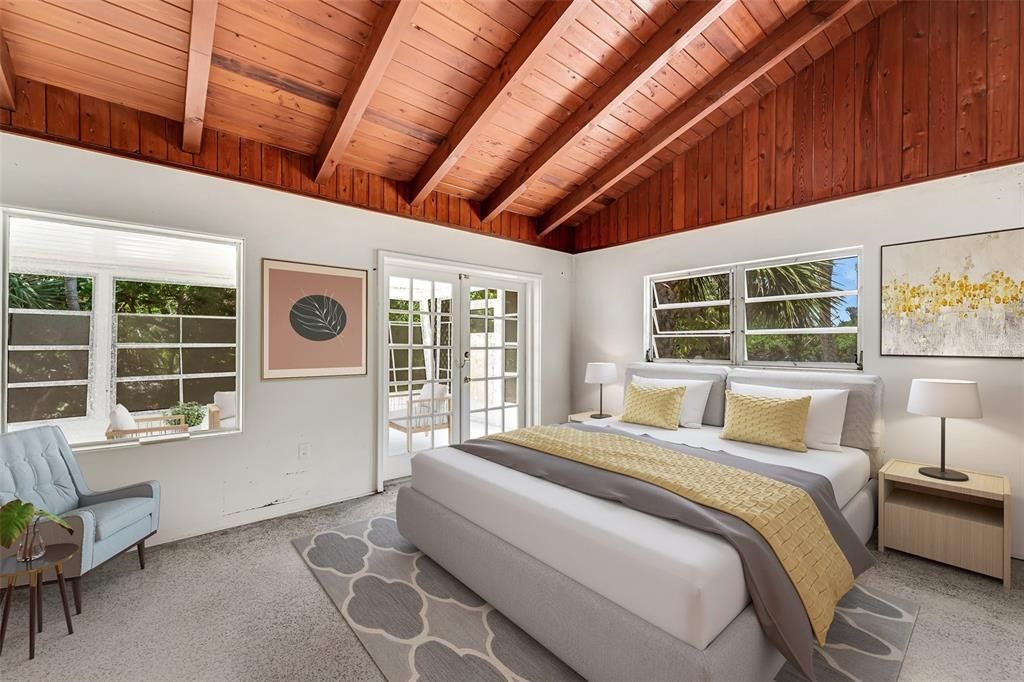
x,y
314,320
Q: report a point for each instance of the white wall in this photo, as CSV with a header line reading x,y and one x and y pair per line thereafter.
x,y
223,481
608,315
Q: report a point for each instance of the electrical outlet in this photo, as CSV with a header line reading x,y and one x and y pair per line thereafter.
x,y
303,451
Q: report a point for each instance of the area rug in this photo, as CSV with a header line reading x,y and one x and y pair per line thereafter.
x,y
418,622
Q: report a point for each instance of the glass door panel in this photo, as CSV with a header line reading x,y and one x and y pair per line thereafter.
x,y
419,347
492,387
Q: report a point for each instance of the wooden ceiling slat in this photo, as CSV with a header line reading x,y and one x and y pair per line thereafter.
x,y
531,47
290,21
248,51
804,25
138,24
271,93
67,73
74,42
200,50
394,19
351,27
451,31
46,15
6,75
424,66
656,52
167,14
274,37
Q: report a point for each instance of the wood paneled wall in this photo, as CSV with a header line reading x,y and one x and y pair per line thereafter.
x,y
928,89
56,114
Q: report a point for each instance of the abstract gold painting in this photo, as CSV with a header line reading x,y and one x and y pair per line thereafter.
x,y
955,297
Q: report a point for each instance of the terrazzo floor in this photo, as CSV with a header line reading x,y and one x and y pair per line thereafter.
x,y
241,605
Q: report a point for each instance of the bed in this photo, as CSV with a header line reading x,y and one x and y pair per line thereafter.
x,y
616,593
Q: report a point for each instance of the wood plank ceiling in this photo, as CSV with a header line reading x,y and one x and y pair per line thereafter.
x,y
550,110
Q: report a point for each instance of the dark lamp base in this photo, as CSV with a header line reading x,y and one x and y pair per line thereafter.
x,y
944,474
600,415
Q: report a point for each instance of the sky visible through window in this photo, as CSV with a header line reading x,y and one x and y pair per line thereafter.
x,y
844,278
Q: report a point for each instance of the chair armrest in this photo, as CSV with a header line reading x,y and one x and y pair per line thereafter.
x,y
146,489
83,523
168,418
214,413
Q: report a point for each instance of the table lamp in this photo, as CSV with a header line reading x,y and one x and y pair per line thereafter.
x,y
600,373
946,399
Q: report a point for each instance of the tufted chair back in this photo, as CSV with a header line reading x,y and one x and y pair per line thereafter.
x,y
37,466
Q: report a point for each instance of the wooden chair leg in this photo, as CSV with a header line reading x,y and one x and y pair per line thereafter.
x,y
64,597
7,611
76,590
142,554
39,603
33,588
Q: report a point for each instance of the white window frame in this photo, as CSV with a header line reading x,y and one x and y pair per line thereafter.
x,y
738,302
102,370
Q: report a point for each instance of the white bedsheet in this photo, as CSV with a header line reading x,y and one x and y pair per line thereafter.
x,y
687,582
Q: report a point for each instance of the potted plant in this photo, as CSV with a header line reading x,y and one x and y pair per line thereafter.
x,y
21,519
192,412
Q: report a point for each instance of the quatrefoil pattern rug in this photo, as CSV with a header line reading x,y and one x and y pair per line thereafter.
x,y
419,623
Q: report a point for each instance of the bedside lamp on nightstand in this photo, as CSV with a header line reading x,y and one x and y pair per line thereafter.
x,y
946,399
601,373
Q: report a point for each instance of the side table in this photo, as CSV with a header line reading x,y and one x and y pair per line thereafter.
x,y
11,570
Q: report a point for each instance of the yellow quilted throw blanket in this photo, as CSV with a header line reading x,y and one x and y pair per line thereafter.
x,y
783,514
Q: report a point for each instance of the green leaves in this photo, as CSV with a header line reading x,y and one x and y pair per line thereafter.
x,y
15,517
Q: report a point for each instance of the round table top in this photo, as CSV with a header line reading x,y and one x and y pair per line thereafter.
x,y
55,554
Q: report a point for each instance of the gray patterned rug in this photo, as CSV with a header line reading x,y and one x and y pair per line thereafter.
x,y
419,622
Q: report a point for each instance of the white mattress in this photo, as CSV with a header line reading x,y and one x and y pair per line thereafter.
x,y
687,582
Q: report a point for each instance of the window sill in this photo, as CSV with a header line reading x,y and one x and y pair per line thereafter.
x,y
107,446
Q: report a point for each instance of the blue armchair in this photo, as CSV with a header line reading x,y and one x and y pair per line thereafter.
x,y
38,466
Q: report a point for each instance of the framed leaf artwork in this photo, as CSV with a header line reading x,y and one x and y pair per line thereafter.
x,y
314,320
956,297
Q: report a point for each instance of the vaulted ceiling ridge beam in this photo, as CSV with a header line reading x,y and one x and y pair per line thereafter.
x,y
678,32
392,21
533,45
766,54
197,80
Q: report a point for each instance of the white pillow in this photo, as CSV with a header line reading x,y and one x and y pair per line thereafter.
x,y
825,417
121,419
691,414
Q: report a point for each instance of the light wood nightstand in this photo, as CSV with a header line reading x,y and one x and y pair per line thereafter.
x,y
580,417
965,524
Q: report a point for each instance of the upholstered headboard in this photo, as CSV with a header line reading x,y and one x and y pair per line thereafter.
x,y
863,426
714,413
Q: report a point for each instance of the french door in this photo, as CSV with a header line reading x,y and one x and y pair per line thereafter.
x,y
455,361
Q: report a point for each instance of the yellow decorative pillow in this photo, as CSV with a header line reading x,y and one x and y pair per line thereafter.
x,y
653,405
778,422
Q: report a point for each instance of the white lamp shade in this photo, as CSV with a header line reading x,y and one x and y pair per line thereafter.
x,y
601,373
945,398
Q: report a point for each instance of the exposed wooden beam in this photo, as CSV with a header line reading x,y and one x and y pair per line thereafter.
x,y
200,49
533,45
770,51
676,34
6,76
394,18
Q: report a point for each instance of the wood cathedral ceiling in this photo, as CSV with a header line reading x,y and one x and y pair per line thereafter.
x,y
547,109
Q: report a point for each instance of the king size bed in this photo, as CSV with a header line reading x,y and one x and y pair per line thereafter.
x,y
617,593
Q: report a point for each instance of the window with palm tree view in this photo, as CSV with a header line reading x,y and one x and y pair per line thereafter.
x,y
117,334
795,311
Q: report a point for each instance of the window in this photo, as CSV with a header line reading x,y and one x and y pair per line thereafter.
x,y
173,343
692,317
50,339
101,315
794,312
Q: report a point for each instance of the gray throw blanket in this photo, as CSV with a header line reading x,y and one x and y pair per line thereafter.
x,y
776,601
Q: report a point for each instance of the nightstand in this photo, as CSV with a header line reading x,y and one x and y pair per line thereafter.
x,y
580,417
964,524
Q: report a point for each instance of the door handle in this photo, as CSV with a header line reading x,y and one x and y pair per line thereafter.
x,y
465,359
